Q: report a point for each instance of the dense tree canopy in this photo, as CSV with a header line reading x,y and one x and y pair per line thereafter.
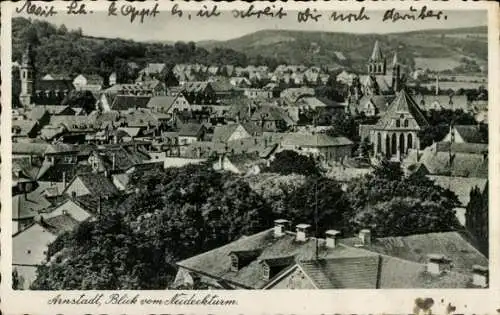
x,y
60,51
288,162
371,196
172,215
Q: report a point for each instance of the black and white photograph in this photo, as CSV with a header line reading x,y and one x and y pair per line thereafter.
x,y
230,152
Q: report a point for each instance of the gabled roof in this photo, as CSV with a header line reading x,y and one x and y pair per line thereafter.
x,y
25,206
469,133
97,184
271,113
403,104
124,158
59,224
164,102
224,132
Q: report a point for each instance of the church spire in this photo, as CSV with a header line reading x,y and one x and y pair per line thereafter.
x,y
395,61
377,53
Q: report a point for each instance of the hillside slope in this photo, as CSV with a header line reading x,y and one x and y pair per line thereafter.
x,y
320,47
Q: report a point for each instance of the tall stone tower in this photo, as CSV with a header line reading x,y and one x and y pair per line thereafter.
x,y
377,62
27,77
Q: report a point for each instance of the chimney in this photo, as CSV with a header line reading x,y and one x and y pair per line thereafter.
x,y
480,276
113,161
331,238
280,227
437,264
302,232
365,236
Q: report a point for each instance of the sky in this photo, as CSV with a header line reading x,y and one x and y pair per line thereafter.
x,y
165,27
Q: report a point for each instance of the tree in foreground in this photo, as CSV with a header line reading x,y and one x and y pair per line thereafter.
x,y
174,214
375,197
289,162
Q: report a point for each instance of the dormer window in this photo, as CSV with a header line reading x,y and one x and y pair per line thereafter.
x,y
234,262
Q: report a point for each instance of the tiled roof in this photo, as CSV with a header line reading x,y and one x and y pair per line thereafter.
x,y
271,113
41,148
28,205
469,133
164,102
463,160
454,245
381,102
125,102
55,173
23,128
195,86
36,113
98,184
59,224
190,129
125,157
224,132
217,262
340,273
403,104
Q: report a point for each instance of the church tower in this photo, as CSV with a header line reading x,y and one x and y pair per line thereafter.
x,y
27,77
396,73
377,62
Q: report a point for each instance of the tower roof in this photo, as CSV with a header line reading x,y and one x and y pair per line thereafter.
x,y
27,59
403,103
395,60
377,53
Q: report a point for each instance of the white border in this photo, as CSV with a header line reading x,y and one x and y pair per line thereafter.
x,y
268,302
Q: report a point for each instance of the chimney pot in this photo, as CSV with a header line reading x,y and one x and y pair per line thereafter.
x,y
438,264
480,276
331,238
365,237
280,227
301,235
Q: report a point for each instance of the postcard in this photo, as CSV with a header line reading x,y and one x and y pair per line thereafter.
x,y
250,158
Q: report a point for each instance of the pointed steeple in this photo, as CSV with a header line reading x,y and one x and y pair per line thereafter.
x,y
395,61
377,53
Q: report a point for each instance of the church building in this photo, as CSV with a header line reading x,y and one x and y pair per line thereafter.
x,y
372,93
35,91
397,130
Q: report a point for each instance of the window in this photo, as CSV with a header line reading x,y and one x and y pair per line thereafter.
x,y
265,271
405,123
234,263
398,123
28,251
